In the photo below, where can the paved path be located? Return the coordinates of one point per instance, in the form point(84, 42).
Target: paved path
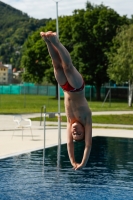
point(112, 112)
point(6, 121)
point(93, 113)
point(13, 146)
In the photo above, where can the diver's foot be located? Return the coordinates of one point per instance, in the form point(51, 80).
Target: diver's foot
point(52, 37)
point(44, 36)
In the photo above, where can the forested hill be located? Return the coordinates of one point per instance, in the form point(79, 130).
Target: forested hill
point(15, 26)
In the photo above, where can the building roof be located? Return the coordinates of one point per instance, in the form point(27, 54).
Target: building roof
point(3, 66)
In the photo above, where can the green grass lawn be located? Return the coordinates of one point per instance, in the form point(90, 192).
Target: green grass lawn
point(126, 119)
point(103, 119)
point(12, 104)
point(19, 104)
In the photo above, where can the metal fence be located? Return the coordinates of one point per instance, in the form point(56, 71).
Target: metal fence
point(28, 89)
point(50, 90)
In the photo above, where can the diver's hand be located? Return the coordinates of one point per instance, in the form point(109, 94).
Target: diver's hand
point(77, 166)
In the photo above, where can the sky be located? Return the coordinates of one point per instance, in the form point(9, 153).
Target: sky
point(40, 9)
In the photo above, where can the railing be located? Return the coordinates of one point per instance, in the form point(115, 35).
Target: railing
point(52, 115)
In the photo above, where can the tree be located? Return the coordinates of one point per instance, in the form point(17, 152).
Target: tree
point(87, 35)
point(15, 26)
point(121, 59)
point(36, 60)
point(93, 30)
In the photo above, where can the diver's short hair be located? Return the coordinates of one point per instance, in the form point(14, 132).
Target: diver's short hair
point(81, 140)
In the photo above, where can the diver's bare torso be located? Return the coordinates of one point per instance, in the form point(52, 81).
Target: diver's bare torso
point(76, 107)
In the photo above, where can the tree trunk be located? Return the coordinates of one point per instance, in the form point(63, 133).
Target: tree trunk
point(130, 94)
point(98, 92)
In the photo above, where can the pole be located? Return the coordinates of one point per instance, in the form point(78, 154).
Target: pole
point(109, 94)
point(57, 28)
point(24, 95)
point(59, 118)
point(106, 97)
point(44, 135)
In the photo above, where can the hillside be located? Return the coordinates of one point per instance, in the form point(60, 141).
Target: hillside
point(15, 26)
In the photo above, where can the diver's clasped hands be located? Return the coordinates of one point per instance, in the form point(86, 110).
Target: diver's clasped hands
point(77, 166)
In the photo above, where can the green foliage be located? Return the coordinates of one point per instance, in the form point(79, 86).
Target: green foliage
point(87, 35)
point(121, 56)
point(36, 60)
point(15, 27)
point(93, 31)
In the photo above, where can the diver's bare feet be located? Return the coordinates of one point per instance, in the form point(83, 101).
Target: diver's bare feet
point(52, 37)
point(44, 36)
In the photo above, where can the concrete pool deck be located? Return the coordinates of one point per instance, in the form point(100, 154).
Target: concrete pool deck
point(14, 146)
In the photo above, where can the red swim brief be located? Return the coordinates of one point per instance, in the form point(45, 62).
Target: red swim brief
point(67, 87)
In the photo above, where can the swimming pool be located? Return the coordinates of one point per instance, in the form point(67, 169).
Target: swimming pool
point(108, 174)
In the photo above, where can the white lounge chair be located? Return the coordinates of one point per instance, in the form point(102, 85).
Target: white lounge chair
point(22, 123)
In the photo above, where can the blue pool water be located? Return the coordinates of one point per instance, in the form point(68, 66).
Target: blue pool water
point(108, 174)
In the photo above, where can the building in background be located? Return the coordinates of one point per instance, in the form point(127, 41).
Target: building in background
point(5, 73)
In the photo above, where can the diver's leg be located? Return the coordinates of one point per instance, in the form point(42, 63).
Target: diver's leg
point(71, 73)
point(56, 61)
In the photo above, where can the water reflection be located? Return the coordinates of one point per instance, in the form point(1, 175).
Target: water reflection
point(108, 174)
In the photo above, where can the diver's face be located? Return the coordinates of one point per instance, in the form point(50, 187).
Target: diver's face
point(77, 131)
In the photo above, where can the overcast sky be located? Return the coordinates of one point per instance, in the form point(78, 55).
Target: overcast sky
point(47, 8)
